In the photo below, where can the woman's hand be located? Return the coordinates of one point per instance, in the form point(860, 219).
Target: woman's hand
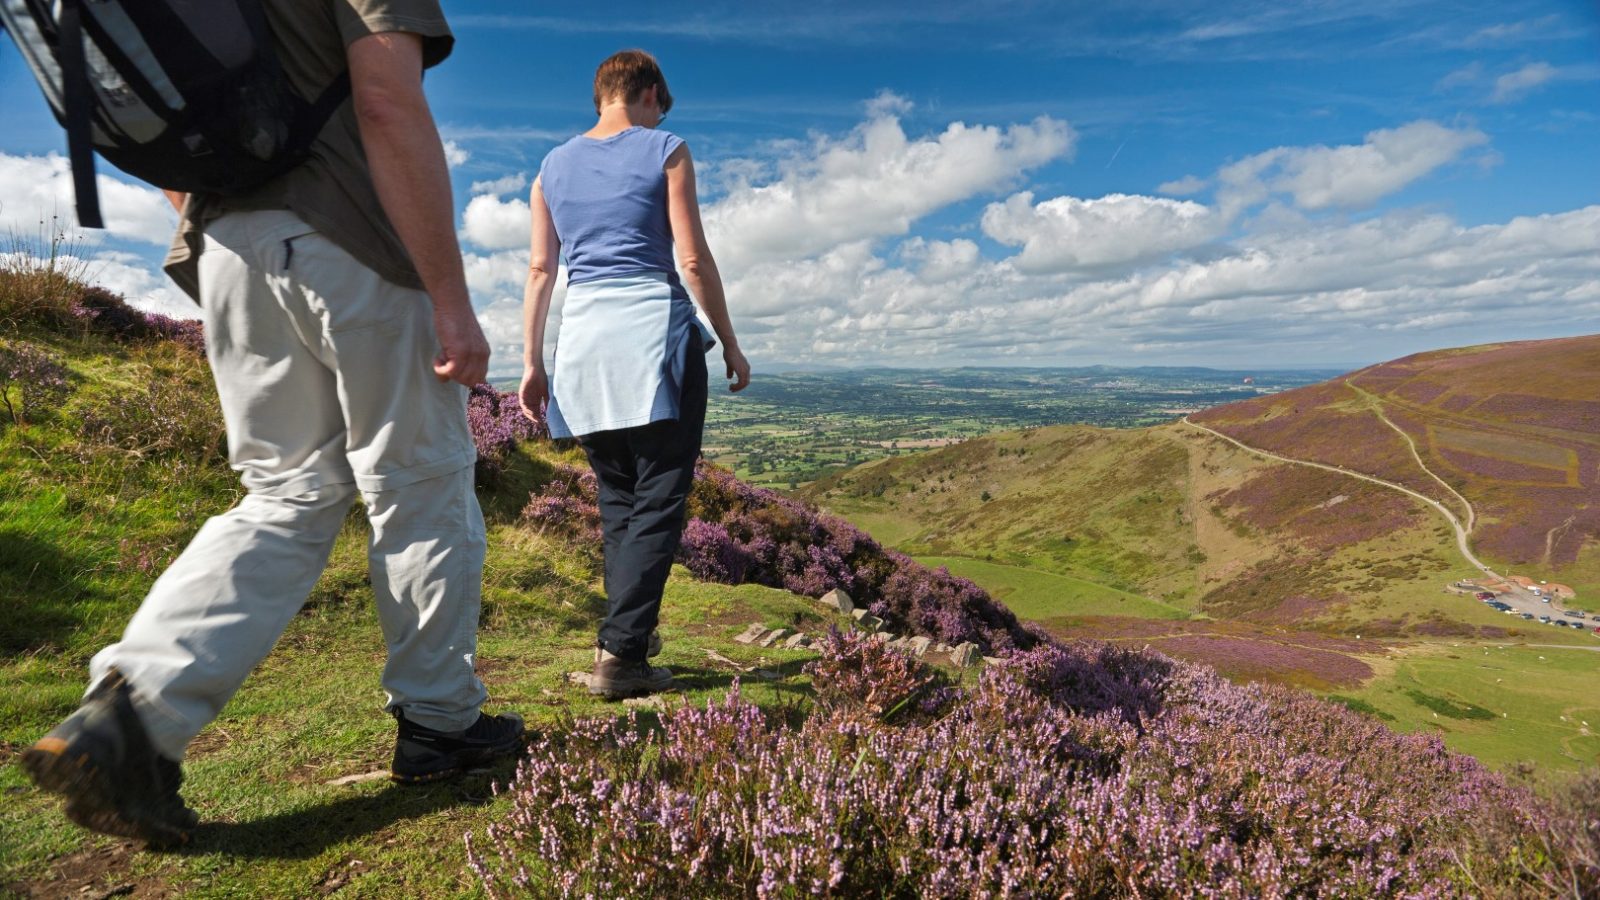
point(738, 367)
point(534, 392)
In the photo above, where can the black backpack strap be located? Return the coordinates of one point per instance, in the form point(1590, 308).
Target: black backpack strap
point(78, 99)
point(308, 124)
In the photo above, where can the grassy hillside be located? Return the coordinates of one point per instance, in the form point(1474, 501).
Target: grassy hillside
point(1513, 428)
point(1169, 538)
point(845, 768)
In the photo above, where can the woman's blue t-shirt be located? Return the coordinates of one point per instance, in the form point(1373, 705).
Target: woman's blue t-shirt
point(608, 198)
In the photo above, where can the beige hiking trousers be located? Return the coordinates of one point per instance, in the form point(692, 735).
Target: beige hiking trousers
point(325, 374)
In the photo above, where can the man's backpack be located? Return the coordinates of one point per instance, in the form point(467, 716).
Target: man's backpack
point(187, 95)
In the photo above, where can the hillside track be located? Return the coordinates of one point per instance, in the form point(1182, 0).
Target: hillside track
point(1455, 522)
point(1519, 598)
point(1376, 403)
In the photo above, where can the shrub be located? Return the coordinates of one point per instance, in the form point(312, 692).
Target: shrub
point(32, 381)
point(162, 420)
point(740, 533)
point(1033, 782)
point(498, 425)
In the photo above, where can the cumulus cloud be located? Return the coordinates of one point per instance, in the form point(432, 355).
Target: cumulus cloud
point(1329, 292)
point(1182, 187)
point(502, 185)
point(37, 189)
point(1347, 176)
point(455, 154)
point(1065, 234)
point(496, 224)
point(873, 183)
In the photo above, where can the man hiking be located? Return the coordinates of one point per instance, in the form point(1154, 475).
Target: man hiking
point(342, 338)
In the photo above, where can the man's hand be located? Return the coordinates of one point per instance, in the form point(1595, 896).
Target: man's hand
point(738, 368)
point(463, 350)
point(534, 393)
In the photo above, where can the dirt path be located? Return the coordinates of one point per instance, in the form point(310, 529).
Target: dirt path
point(1455, 522)
point(1377, 409)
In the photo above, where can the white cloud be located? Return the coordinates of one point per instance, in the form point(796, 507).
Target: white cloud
point(37, 189)
point(1182, 187)
point(502, 185)
point(143, 287)
point(1064, 234)
point(455, 154)
point(873, 183)
point(495, 224)
point(1513, 85)
point(1348, 176)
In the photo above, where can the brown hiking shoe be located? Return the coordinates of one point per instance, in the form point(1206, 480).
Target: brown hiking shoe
point(114, 781)
point(615, 677)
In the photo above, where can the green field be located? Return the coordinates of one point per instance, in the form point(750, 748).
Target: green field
point(788, 429)
point(1033, 594)
point(1500, 702)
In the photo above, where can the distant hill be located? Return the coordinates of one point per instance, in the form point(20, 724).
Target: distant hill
point(1514, 429)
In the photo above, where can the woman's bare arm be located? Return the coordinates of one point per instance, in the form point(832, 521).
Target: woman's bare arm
point(544, 255)
point(695, 262)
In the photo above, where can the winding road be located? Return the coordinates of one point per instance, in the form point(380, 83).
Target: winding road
point(1520, 599)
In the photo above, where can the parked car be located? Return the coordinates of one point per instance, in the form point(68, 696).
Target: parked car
point(1527, 615)
point(1563, 623)
point(1484, 595)
point(1545, 599)
point(1545, 619)
point(1576, 615)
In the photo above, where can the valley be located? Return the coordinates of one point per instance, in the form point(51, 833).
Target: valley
point(1310, 537)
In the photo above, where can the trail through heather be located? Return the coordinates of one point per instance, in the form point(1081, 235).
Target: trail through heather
point(1377, 409)
point(1455, 523)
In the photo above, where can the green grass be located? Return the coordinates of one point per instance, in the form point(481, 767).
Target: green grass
point(1542, 704)
point(312, 712)
point(86, 528)
point(1033, 594)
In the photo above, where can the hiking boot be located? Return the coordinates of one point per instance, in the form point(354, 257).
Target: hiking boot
point(114, 781)
point(615, 677)
point(653, 648)
point(422, 754)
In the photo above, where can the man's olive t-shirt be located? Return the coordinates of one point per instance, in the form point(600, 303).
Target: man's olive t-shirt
point(332, 190)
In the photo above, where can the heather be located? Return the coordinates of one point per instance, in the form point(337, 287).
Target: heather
point(1067, 770)
point(741, 534)
point(1086, 769)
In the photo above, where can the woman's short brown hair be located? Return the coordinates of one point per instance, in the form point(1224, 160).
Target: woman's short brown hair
point(626, 74)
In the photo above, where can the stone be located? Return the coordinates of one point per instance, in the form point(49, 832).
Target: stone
point(965, 655)
point(882, 637)
point(774, 636)
point(752, 634)
point(993, 660)
point(866, 621)
point(654, 701)
point(796, 641)
point(578, 678)
point(838, 601)
point(920, 644)
point(942, 647)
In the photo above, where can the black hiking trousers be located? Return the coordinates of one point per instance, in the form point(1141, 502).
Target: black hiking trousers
point(645, 474)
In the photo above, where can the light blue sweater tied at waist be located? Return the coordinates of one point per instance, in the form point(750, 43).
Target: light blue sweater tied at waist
point(620, 354)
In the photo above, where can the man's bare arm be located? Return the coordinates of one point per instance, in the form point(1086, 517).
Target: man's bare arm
point(413, 182)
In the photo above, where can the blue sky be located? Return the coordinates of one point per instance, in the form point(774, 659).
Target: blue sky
point(1239, 184)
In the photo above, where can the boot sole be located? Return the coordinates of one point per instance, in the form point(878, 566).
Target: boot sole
point(615, 692)
point(456, 764)
point(89, 793)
